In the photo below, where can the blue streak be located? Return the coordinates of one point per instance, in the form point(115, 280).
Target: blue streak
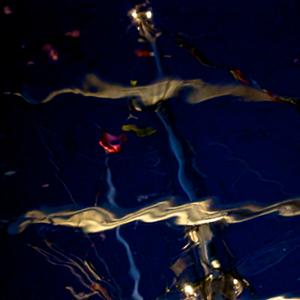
point(133, 271)
point(173, 141)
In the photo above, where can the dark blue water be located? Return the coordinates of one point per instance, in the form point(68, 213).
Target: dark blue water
point(233, 151)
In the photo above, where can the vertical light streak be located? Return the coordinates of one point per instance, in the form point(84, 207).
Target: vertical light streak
point(174, 143)
point(111, 193)
point(157, 60)
point(177, 150)
point(133, 270)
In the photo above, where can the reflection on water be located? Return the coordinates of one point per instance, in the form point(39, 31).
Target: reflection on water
point(270, 255)
point(157, 92)
point(283, 297)
point(214, 282)
point(198, 273)
point(82, 270)
point(97, 219)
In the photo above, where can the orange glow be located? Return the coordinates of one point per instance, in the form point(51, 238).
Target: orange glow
point(143, 53)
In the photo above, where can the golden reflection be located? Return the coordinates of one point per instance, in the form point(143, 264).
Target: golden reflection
point(97, 219)
point(154, 93)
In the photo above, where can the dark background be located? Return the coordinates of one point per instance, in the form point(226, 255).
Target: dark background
point(50, 157)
